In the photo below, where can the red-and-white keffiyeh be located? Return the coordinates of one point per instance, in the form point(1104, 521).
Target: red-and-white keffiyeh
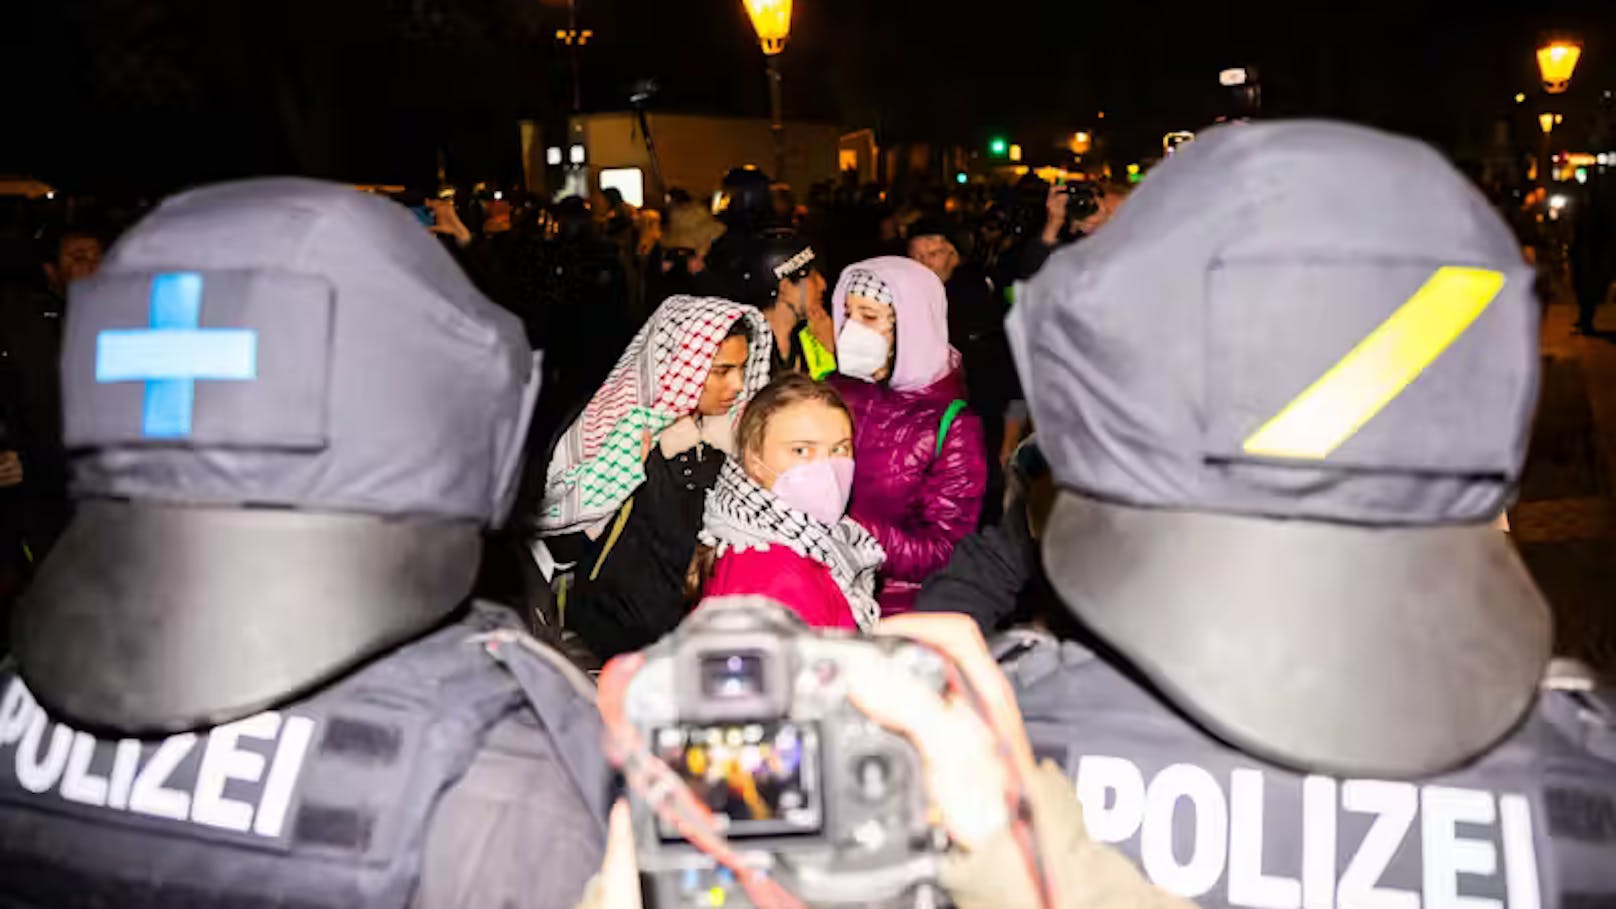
point(599, 462)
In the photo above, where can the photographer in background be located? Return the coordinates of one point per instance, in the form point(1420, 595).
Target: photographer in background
point(1071, 211)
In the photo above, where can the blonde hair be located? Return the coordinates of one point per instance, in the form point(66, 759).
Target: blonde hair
point(786, 390)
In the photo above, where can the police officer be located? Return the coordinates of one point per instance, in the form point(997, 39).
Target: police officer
point(248, 674)
point(745, 206)
point(780, 274)
point(1283, 394)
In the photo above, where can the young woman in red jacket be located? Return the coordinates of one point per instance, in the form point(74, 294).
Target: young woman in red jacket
point(776, 525)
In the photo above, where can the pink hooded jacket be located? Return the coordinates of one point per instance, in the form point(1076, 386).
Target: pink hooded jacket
point(916, 502)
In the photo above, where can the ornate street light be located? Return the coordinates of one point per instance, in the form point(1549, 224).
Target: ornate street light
point(1556, 61)
point(771, 19)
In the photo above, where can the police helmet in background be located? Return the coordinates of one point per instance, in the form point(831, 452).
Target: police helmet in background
point(774, 255)
point(293, 416)
point(1284, 393)
point(745, 198)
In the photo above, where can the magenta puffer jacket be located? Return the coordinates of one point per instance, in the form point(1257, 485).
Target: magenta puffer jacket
point(917, 503)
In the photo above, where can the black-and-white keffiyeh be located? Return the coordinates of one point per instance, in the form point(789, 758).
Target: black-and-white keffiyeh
point(742, 515)
point(862, 282)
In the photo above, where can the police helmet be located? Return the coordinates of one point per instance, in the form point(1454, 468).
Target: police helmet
point(775, 255)
point(745, 197)
point(293, 416)
point(1283, 423)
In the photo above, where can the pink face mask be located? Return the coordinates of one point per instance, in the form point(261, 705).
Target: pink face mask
point(819, 488)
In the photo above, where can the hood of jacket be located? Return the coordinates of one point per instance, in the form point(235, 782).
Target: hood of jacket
point(920, 305)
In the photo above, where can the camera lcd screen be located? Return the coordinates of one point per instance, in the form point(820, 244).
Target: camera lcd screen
point(730, 676)
point(759, 779)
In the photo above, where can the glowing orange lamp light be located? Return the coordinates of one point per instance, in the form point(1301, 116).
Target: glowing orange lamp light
point(1557, 60)
point(772, 21)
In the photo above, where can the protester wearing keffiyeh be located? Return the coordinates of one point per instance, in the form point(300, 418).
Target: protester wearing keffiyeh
point(742, 516)
point(600, 460)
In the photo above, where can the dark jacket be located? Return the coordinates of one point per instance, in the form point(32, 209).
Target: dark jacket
point(976, 311)
point(630, 587)
point(1532, 824)
point(30, 415)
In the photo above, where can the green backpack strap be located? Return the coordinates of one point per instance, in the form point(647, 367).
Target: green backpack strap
point(949, 415)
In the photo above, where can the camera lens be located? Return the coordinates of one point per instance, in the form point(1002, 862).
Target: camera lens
point(729, 676)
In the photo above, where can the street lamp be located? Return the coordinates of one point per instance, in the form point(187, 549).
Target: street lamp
point(1556, 61)
point(771, 19)
point(1546, 121)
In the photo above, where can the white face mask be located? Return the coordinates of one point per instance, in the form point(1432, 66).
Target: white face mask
point(861, 351)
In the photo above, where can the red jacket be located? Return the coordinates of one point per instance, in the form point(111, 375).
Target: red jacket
point(781, 574)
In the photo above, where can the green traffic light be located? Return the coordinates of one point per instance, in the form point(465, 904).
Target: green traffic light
point(961, 178)
point(999, 146)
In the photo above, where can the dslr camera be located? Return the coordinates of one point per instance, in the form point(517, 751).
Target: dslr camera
point(749, 709)
point(1082, 199)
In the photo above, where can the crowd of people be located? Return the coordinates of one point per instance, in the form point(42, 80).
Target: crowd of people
point(1214, 470)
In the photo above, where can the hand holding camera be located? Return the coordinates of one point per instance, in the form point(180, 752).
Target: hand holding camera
point(773, 766)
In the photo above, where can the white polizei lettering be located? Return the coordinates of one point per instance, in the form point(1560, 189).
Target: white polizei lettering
point(1318, 842)
point(34, 773)
point(223, 761)
point(1248, 886)
point(1520, 854)
point(1112, 793)
point(1208, 849)
point(125, 761)
point(1446, 855)
point(283, 770)
point(1394, 805)
point(15, 710)
point(78, 783)
point(149, 795)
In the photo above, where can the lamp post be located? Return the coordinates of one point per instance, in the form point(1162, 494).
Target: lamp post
point(1546, 121)
point(771, 19)
point(1556, 62)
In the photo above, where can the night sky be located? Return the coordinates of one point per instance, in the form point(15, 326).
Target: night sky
point(155, 94)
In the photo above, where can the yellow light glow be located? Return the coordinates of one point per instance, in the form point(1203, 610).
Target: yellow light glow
point(1081, 142)
point(1133, 169)
point(1520, 97)
point(772, 21)
point(1546, 121)
point(1015, 153)
point(1556, 61)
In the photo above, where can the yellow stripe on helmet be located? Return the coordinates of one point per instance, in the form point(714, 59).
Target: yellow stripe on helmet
point(1332, 409)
